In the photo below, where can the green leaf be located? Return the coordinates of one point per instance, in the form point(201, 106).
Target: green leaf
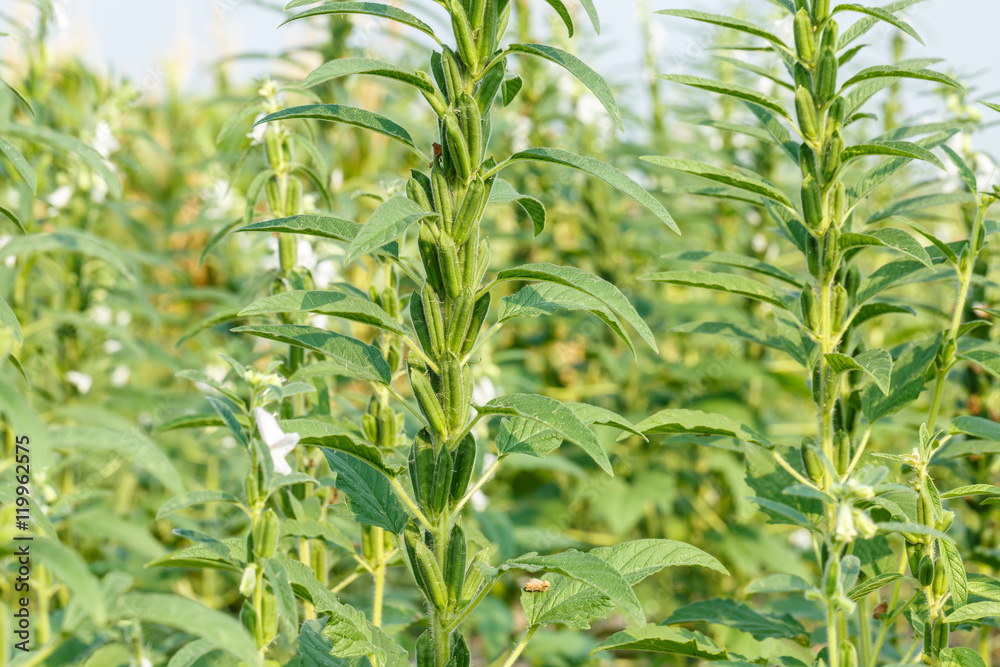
point(20, 164)
point(587, 76)
point(868, 22)
point(63, 142)
point(504, 193)
point(9, 320)
point(663, 639)
point(365, 362)
point(586, 568)
point(875, 363)
point(880, 14)
point(881, 172)
point(737, 260)
point(593, 414)
point(587, 283)
point(984, 586)
point(965, 172)
point(348, 445)
point(339, 113)
point(886, 276)
point(972, 490)
point(333, 303)
point(872, 585)
point(510, 87)
point(191, 617)
point(905, 149)
point(595, 20)
point(576, 604)
point(960, 656)
point(731, 178)
point(192, 653)
point(783, 338)
point(921, 203)
point(68, 241)
point(72, 570)
point(721, 282)
point(369, 8)
point(563, 12)
point(555, 416)
point(896, 239)
point(369, 492)
point(727, 22)
point(977, 427)
point(732, 90)
point(951, 560)
point(974, 612)
point(228, 412)
point(10, 215)
point(909, 374)
point(877, 309)
point(985, 359)
point(192, 498)
point(779, 583)
point(389, 222)
point(605, 172)
point(738, 616)
point(699, 423)
point(884, 71)
point(546, 298)
point(347, 66)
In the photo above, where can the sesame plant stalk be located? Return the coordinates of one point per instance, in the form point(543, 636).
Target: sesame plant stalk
point(435, 241)
point(828, 486)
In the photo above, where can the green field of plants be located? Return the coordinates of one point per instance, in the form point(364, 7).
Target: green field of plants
point(406, 354)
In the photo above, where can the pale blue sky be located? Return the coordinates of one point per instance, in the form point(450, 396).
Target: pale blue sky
point(138, 38)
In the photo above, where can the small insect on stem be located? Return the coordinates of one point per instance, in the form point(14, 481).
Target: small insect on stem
point(537, 586)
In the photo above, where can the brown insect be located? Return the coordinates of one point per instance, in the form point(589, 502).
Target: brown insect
point(537, 586)
point(880, 610)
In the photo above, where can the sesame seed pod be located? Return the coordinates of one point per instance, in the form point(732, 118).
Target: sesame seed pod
point(455, 564)
point(419, 320)
point(441, 488)
point(831, 248)
point(453, 82)
point(463, 460)
point(838, 203)
point(839, 306)
point(474, 576)
point(461, 317)
point(479, 312)
point(832, 159)
point(925, 509)
point(813, 256)
point(269, 616)
point(387, 429)
point(470, 212)
point(458, 147)
point(807, 161)
point(477, 12)
point(830, 34)
point(450, 269)
point(427, 246)
point(411, 538)
point(463, 35)
point(472, 126)
point(831, 577)
point(434, 320)
point(444, 205)
point(942, 630)
point(467, 262)
point(273, 193)
point(426, 398)
point(265, 541)
point(940, 584)
point(813, 464)
point(826, 76)
point(293, 199)
point(252, 489)
point(925, 575)
point(812, 204)
point(805, 109)
point(821, 9)
point(318, 561)
point(842, 449)
point(367, 543)
point(929, 636)
point(805, 41)
point(810, 308)
point(836, 115)
point(802, 76)
point(848, 654)
point(248, 617)
point(370, 426)
point(456, 409)
point(425, 649)
point(272, 146)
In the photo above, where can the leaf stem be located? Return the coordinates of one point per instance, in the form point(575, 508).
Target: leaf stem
point(478, 485)
point(401, 492)
point(528, 634)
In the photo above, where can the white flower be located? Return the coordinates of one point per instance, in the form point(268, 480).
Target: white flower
point(60, 197)
point(845, 530)
point(280, 443)
point(104, 140)
point(98, 191)
point(81, 381)
point(801, 539)
point(219, 199)
point(111, 346)
point(256, 135)
point(10, 261)
point(123, 318)
point(120, 376)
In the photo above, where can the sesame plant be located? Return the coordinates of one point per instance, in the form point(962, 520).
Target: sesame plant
point(889, 583)
point(408, 489)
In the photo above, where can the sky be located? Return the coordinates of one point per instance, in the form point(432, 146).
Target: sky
point(138, 40)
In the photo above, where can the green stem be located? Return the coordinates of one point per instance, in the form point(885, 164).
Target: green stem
point(380, 568)
point(528, 634)
point(865, 630)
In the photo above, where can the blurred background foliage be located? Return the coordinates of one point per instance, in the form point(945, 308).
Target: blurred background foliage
point(117, 294)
